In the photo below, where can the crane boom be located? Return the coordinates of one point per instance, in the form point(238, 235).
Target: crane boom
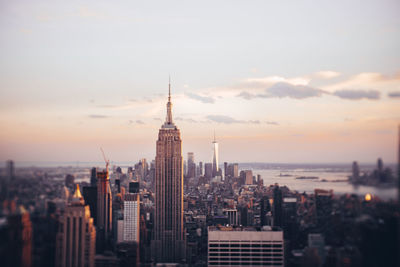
point(107, 161)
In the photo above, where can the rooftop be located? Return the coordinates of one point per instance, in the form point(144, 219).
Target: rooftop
point(244, 228)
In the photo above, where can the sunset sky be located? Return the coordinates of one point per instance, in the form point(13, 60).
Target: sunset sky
point(278, 81)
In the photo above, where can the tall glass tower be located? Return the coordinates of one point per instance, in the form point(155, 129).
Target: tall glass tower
point(215, 170)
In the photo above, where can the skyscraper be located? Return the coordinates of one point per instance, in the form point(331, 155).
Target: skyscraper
point(168, 243)
point(398, 169)
point(356, 172)
point(225, 169)
point(10, 169)
point(215, 169)
point(93, 177)
point(15, 236)
point(233, 170)
point(265, 207)
point(248, 177)
point(131, 217)
point(200, 168)
point(104, 207)
point(191, 165)
point(75, 244)
point(278, 212)
point(208, 170)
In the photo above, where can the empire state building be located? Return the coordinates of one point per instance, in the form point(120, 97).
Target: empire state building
point(169, 243)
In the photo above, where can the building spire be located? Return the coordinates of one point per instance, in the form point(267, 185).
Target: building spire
point(168, 120)
point(77, 198)
point(169, 89)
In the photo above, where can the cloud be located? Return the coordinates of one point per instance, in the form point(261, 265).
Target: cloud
point(137, 122)
point(270, 80)
point(203, 99)
point(229, 120)
point(357, 94)
point(97, 116)
point(246, 95)
point(157, 119)
point(145, 102)
point(326, 74)
point(394, 94)
point(284, 89)
point(186, 120)
point(364, 81)
point(272, 122)
point(223, 119)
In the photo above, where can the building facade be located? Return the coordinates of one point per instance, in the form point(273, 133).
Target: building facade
point(191, 166)
point(75, 244)
point(168, 244)
point(104, 206)
point(232, 215)
point(208, 170)
point(131, 217)
point(245, 246)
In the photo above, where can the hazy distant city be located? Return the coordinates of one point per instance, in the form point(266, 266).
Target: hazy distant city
point(175, 212)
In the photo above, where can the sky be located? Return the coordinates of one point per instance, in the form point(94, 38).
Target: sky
point(278, 81)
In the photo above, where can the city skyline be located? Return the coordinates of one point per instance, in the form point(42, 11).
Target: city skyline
point(267, 72)
point(279, 144)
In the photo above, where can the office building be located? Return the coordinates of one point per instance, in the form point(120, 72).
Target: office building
point(191, 165)
point(208, 172)
point(93, 177)
point(232, 215)
point(104, 207)
point(245, 246)
point(134, 187)
point(233, 170)
point(141, 169)
point(10, 169)
point(398, 170)
point(90, 197)
point(131, 217)
point(278, 209)
point(317, 242)
point(169, 244)
point(247, 177)
point(75, 244)
point(265, 207)
point(323, 204)
point(200, 168)
point(70, 181)
point(117, 215)
point(356, 172)
point(16, 235)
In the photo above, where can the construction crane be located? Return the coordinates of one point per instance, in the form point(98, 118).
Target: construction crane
point(107, 161)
